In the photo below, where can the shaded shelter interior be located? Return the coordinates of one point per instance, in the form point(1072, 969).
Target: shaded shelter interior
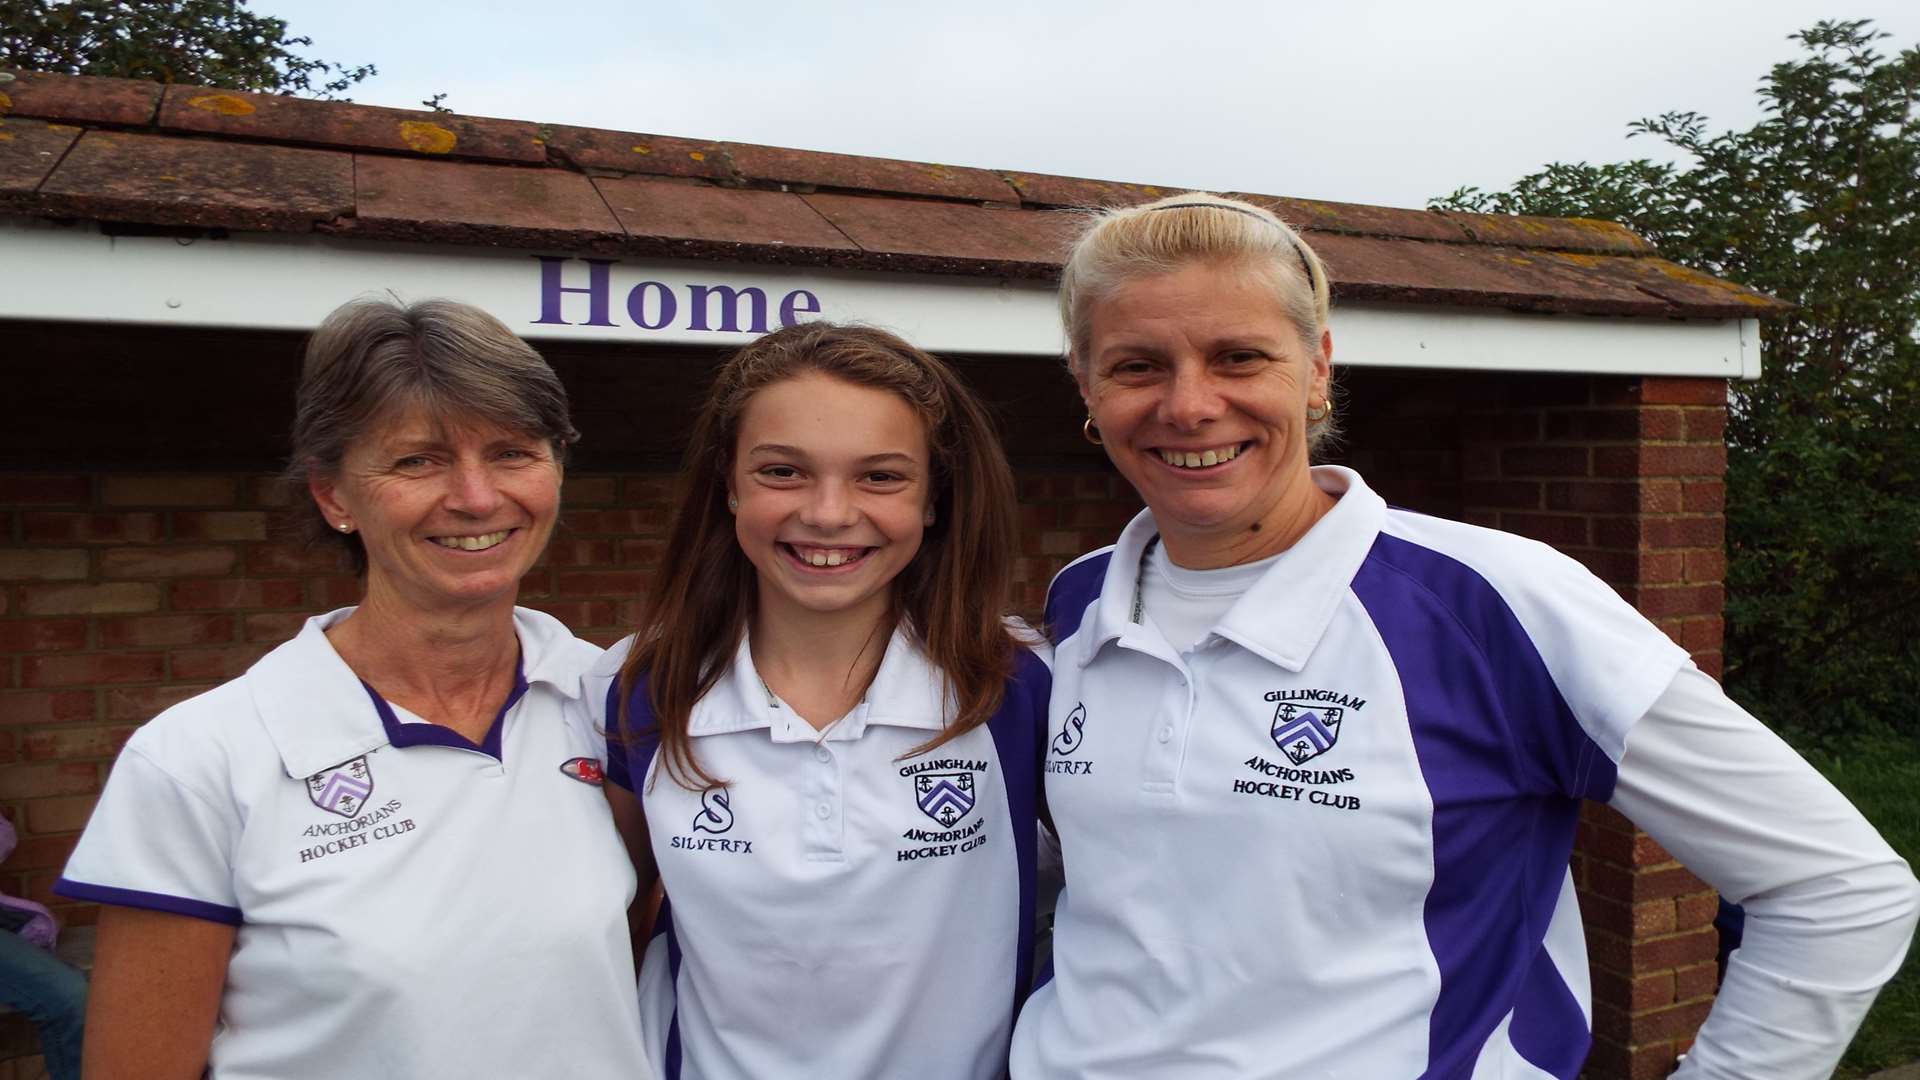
point(159, 398)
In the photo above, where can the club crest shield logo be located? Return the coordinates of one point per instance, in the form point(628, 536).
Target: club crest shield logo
point(343, 789)
point(1304, 732)
point(586, 770)
point(945, 797)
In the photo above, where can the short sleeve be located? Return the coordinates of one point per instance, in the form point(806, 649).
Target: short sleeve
point(1607, 662)
point(155, 843)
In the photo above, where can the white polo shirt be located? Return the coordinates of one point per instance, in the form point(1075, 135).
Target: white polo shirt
point(1331, 840)
point(839, 909)
point(407, 904)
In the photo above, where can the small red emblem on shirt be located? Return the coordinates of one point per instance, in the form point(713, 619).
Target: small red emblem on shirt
point(585, 769)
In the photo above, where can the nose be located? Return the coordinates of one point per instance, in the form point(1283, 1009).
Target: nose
point(829, 506)
point(472, 489)
point(1191, 398)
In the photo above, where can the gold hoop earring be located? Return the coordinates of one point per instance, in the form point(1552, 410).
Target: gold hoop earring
point(1317, 413)
point(1091, 433)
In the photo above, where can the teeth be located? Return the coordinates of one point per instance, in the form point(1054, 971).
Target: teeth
point(472, 543)
point(1186, 459)
point(827, 558)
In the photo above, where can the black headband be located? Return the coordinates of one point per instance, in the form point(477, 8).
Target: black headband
point(1299, 249)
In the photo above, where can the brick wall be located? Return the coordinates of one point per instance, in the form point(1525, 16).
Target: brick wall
point(121, 593)
point(1628, 477)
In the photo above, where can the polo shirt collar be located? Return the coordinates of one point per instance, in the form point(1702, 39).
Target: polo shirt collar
point(319, 713)
point(907, 692)
point(1285, 614)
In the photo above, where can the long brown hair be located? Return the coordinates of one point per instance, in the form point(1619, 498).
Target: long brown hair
point(950, 598)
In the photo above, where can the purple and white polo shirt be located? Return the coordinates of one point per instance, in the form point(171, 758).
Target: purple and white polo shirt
point(844, 906)
point(1331, 840)
point(405, 902)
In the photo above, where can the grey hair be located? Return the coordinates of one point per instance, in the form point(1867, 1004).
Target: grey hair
point(1122, 244)
point(373, 359)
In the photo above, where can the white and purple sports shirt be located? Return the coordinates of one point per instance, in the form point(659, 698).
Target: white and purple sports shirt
point(1332, 839)
point(843, 907)
point(406, 903)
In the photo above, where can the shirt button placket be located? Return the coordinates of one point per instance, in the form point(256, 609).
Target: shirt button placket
point(820, 803)
point(1166, 733)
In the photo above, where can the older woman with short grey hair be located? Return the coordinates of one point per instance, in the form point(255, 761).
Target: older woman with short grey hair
point(383, 850)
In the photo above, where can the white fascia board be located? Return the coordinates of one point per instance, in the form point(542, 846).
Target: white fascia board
point(279, 282)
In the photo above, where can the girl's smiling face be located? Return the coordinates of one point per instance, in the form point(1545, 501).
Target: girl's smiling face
point(832, 483)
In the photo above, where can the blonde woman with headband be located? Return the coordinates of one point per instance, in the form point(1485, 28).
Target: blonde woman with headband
point(1316, 763)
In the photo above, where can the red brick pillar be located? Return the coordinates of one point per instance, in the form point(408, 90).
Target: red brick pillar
point(1626, 475)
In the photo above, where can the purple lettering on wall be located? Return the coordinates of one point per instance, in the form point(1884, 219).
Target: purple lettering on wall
point(637, 306)
point(729, 307)
point(655, 305)
point(551, 291)
point(791, 308)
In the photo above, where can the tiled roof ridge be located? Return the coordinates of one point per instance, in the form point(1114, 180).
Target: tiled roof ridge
point(177, 155)
point(144, 106)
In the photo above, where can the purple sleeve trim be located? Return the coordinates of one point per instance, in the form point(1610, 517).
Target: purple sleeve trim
point(149, 901)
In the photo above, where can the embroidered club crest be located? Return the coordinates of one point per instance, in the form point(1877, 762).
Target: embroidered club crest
point(944, 797)
point(342, 789)
point(1304, 732)
point(586, 770)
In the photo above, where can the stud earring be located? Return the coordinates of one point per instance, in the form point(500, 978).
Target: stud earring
point(346, 527)
point(733, 504)
point(927, 521)
point(1091, 433)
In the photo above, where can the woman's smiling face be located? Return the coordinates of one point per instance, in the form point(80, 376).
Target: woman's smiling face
point(1199, 384)
point(832, 484)
point(451, 513)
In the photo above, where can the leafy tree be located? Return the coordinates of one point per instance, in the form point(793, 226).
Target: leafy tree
point(204, 42)
point(1819, 204)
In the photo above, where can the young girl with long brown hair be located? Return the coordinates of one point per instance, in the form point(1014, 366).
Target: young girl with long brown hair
point(824, 739)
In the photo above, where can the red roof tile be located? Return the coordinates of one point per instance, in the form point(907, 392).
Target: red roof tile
point(777, 164)
point(29, 149)
point(466, 203)
point(911, 234)
point(595, 149)
point(425, 176)
point(281, 119)
point(157, 179)
point(712, 222)
point(81, 99)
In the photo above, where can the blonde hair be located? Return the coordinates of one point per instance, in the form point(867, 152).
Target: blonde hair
point(1122, 244)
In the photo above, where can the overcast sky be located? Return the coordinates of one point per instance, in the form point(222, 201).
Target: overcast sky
point(1376, 101)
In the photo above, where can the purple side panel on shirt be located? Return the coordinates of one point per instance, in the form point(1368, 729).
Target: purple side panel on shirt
point(1505, 763)
point(663, 924)
point(1018, 729)
point(630, 746)
point(1072, 592)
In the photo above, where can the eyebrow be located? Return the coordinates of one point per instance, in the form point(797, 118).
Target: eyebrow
point(883, 458)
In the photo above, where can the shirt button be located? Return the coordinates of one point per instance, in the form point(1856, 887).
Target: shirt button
point(1164, 734)
point(822, 811)
point(820, 754)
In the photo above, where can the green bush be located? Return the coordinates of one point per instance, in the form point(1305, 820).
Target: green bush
point(1818, 204)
